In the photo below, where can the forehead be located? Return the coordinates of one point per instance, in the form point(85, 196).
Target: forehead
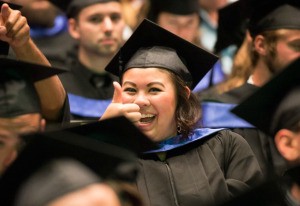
point(178, 17)
point(289, 34)
point(146, 74)
point(102, 8)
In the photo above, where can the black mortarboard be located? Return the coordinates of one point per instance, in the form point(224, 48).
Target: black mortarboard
point(179, 7)
point(17, 93)
point(53, 180)
point(232, 25)
point(276, 105)
point(274, 14)
point(73, 7)
point(100, 146)
point(4, 46)
point(152, 46)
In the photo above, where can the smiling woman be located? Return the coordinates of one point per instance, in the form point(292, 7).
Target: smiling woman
point(192, 166)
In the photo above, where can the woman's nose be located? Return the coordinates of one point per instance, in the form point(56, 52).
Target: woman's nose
point(142, 100)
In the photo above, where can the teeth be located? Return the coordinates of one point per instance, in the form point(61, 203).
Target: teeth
point(147, 115)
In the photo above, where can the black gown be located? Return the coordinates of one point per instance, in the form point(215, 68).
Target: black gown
point(93, 90)
point(208, 171)
point(261, 144)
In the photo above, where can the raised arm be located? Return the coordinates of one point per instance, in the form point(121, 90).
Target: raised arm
point(15, 30)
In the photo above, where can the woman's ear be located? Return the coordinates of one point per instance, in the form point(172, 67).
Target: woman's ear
point(188, 91)
point(287, 143)
point(73, 31)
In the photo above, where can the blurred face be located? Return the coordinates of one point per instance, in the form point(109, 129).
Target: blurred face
point(185, 26)
point(10, 129)
point(287, 50)
point(99, 28)
point(94, 195)
point(155, 94)
point(38, 12)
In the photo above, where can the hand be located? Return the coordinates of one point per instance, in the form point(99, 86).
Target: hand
point(117, 108)
point(13, 27)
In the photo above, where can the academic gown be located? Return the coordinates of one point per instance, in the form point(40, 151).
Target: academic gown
point(275, 191)
point(207, 171)
point(261, 144)
point(89, 93)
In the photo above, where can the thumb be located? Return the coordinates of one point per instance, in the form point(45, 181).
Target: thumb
point(117, 97)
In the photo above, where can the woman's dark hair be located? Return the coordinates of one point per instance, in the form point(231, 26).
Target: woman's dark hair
point(188, 110)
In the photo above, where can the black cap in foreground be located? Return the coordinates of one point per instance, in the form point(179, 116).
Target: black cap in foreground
point(54, 180)
point(152, 46)
point(276, 105)
point(87, 144)
point(17, 93)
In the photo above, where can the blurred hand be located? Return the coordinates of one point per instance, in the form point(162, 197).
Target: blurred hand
point(117, 108)
point(13, 27)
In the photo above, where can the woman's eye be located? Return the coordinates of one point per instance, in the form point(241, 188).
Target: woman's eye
point(131, 90)
point(154, 90)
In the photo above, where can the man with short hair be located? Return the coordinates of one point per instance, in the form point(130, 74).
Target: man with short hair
point(97, 26)
point(275, 36)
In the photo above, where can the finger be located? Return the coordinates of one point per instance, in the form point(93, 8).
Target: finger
point(5, 12)
point(133, 116)
point(19, 29)
point(130, 107)
point(9, 16)
point(3, 31)
point(117, 97)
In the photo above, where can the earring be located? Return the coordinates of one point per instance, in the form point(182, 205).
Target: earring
point(178, 129)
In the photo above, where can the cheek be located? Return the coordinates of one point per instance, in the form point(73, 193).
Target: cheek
point(166, 104)
point(127, 98)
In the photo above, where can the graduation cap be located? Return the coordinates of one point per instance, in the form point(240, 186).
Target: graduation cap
point(276, 104)
point(274, 14)
point(153, 46)
point(54, 180)
point(179, 7)
point(17, 93)
point(232, 25)
point(93, 147)
point(4, 46)
point(73, 7)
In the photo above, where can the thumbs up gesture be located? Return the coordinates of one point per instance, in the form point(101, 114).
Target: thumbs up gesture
point(117, 108)
point(13, 27)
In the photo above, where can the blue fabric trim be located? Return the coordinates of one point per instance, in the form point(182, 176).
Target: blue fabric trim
point(218, 76)
point(87, 107)
point(178, 141)
point(218, 115)
point(60, 25)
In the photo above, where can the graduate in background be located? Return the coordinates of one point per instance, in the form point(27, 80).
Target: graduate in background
point(274, 109)
point(275, 34)
point(97, 27)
